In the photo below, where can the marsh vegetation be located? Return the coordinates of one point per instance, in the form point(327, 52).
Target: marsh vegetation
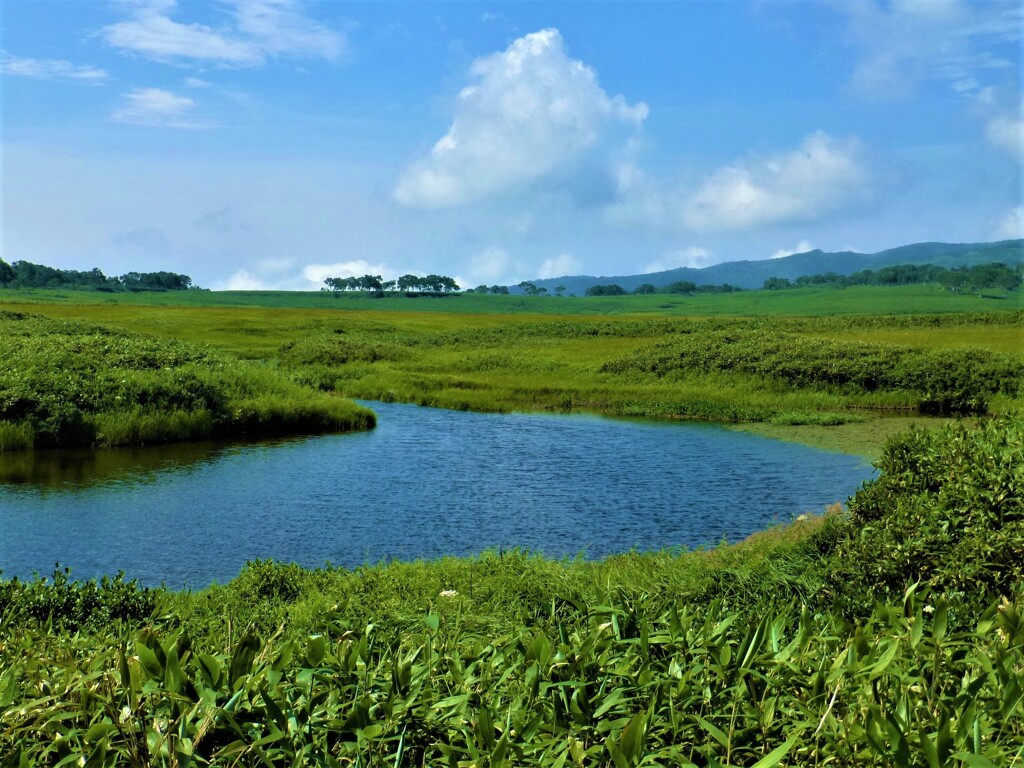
point(889, 633)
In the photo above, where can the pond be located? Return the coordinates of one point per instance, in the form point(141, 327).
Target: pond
point(425, 483)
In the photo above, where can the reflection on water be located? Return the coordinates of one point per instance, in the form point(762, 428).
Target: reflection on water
point(85, 468)
point(423, 484)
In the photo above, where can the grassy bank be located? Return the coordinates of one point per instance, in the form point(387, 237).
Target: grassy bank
point(888, 635)
point(65, 384)
point(814, 372)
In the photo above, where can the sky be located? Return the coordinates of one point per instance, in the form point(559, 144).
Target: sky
point(273, 143)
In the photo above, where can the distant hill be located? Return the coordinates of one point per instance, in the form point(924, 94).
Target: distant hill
point(752, 274)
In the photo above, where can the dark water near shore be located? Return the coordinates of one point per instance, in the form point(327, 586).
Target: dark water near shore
point(425, 483)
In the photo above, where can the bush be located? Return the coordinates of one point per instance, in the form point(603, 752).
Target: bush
point(947, 511)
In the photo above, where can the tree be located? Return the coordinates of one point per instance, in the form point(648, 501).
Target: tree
point(501, 289)
point(681, 286)
point(606, 290)
point(559, 290)
point(6, 273)
point(529, 288)
point(777, 284)
point(645, 289)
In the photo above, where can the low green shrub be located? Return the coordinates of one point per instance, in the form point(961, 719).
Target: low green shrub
point(66, 384)
point(946, 511)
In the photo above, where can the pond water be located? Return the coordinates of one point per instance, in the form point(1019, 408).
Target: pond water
point(423, 484)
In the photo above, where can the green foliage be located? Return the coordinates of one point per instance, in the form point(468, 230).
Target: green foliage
point(65, 605)
point(25, 274)
point(605, 290)
point(968, 278)
point(947, 511)
point(65, 384)
point(941, 381)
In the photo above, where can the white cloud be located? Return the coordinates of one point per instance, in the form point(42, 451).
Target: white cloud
point(315, 274)
point(821, 176)
point(50, 69)
point(242, 280)
point(694, 257)
point(262, 29)
point(563, 265)
point(196, 82)
point(489, 265)
point(530, 113)
point(1011, 226)
point(906, 41)
point(1007, 133)
point(156, 107)
point(802, 247)
point(280, 28)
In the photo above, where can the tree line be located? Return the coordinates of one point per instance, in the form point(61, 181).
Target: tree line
point(405, 283)
point(994, 275)
point(680, 286)
point(25, 274)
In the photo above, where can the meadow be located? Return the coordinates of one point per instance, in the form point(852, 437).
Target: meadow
point(889, 633)
point(512, 353)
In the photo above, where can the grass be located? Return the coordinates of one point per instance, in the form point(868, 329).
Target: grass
point(819, 301)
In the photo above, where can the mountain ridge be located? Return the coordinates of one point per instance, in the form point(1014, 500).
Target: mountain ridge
point(752, 273)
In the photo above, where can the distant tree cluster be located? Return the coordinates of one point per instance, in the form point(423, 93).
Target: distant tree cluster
point(25, 274)
point(685, 286)
point(531, 289)
point(967, 279)
point(496, 289)
point(605, 290)
point(405, 284)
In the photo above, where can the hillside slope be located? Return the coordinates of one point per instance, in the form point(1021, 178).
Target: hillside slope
point(752, 274)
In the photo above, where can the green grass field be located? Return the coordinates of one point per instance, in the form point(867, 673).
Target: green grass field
point(818, 302)
point(497, 353)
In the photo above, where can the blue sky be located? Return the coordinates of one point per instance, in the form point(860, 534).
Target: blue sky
point(272, 143)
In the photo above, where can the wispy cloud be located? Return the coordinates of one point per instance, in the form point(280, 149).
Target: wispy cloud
point(802, 247)
point(51, 69)
point(694, 257)
point(1006, 132)
point(903, 42)
point(530, 114)
point(561, 265)
point(260, 29)
point(157, 108)
point(1011, 226)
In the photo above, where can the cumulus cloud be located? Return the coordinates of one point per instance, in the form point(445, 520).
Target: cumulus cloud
point(50, 69)
point(261, 29)
point(822, 176)
point(694, 257)
point(156, 107)
point(530, 113)
point(1011, 226)
point(802, 247)
point(559, 266)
